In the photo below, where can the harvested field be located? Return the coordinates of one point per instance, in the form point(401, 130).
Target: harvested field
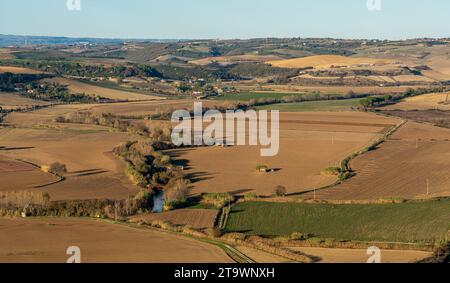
point(326, 61)
point(439, 63)
point(423, 102)
point(18, 70)
point(413, 163)
point(79, 87)
point(43, 117)
point(148, 108)
point(196, 218)
point(12, 174)
point(9, 101)
point(360, 255)
point(6, 53)
point(438, 118)
point(412, 78)
point(309, 143)
point(8, 165)
point(93, 171)
point(226, 60)
point(329, 89)
point(260, 256)
point(47, 239)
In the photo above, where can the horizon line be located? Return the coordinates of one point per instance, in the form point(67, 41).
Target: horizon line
point(223, 39)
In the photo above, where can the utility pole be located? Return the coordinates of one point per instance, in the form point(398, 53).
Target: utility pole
point(428, 187)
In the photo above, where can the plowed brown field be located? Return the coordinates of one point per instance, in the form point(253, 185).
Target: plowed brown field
point(196, 218)
point(16, 175)
point(412, 164)
point(47, 239)
point(309, 143)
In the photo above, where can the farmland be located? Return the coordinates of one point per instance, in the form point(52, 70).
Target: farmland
point(309, 143)
point(93, 172)
point(246, 96)
point(18, 70)
point(88, 89)
point(404, 222)
point(434, 101)
point(234, 59)
point(411, 164)
point(314, 106)
point(196, 218)
point(47, 239)
point(328, 255)
point(12, 172)
point(10, 101)
point(346, 173)
point(325, 61)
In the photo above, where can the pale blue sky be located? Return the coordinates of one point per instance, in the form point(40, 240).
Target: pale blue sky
point(398, 19)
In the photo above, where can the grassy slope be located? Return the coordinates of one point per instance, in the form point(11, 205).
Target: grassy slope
point(407, 222)
point(326, 105)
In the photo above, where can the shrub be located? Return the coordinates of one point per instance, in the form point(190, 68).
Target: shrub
point(177, 192)
point(214, 232)
point(135, 176)
point(193, 232)
point(331, 171)
point(57, 168)
point(260, 168)
point(297, 236)
point(235, 236)
point(314, 241)
point(250, 196)
point(217, 200)
point(280, 191)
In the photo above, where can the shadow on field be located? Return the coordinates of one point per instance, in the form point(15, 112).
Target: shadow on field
point(85, 171)
point(176, 156)
point(16, 148)
point(190, 203)
point(240, 192)
point(199, 176)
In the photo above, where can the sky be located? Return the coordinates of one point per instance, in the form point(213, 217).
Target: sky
point(227, 19)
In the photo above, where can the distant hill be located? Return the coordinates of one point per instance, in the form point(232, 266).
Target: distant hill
point(21, 40)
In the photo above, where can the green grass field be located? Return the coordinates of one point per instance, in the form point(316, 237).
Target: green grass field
point(414, 222)
point(246, 96)
point(324, 105)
